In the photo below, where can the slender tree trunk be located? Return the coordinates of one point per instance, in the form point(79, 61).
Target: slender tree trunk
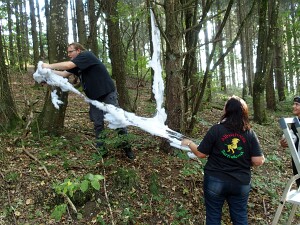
point(19, 36)
point(240, 15)
point(35, 40)
point(290, 78)
point(220, 52)
point(278, 62)
point(80, 14)
point(11, 53)
point(41, 45)
point(231, 60)
point(74, 19)
point(294, 15)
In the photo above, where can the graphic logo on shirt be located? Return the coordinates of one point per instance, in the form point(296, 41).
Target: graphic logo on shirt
point(233, 150)
point(233, 146)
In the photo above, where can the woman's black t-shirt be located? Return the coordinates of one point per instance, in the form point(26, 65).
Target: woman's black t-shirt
point(229, 153)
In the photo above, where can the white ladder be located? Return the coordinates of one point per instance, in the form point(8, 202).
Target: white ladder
point(289, 195)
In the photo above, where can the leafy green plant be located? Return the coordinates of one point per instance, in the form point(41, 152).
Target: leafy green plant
point(126, 178)
point(70, 187)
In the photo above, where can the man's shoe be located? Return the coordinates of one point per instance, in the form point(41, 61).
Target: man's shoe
point(129, 153)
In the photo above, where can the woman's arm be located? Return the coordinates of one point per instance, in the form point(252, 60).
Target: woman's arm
point(193, 147)
point(257, 160)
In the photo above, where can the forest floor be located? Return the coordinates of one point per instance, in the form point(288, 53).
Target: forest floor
point(155, 188)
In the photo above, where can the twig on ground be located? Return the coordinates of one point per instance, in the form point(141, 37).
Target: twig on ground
point(70, 203)
point(265, 209)
point(35, 159)
point(105, 190)
point(69, 214)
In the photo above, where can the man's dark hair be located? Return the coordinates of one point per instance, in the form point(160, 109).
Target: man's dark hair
point(77, 46)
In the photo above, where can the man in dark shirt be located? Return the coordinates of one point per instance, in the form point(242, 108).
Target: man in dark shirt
point(283, 142)
point(97, 85)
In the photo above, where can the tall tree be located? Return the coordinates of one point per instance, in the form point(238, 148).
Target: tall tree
point(80, 14)
point(240, 15)
point(74, 18)
point(295, 34)
point(209, 69)
point(190, 69)
point(19, 36)
point(8, 117)
point(220, 52)
point(273, 18)
point(12, 57)
point(51, 119)
point(278, 62)
point(174, 85)
point(92, 40)
point(260, 74)
point(34, 34)
point(116, 51)
point(41, 37)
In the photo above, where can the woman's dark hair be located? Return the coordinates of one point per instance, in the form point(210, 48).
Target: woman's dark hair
point(236, 114)
point(77, 46)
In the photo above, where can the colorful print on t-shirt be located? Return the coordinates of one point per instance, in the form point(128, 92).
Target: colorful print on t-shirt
point(233, 145)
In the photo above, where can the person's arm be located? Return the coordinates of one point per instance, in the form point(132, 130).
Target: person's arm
point(283, 143)
point(193, 147)
point(257, 160)
point(60, 66)
point(65, 74)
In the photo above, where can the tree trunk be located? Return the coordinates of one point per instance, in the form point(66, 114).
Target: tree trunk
point(51, 119)
point(35, 40)
point(278, 62)
point(92, 40)
point(270, 91)
point(116, 52)
point(74, 19)
point(294, 15)
point(41, 45)
point(220, 53)
point(174, 87)
point(290, 77)
point(273, 17)
point(8, 116)
point(11, 57)
point(260, 76)
point(81, 22)
point(240, 15)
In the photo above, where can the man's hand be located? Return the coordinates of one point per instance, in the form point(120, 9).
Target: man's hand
point(283, 143)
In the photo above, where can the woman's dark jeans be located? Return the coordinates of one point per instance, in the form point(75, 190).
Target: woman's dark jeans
point(216, 191)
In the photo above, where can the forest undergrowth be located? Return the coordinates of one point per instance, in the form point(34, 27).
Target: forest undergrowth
point(63, 180)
